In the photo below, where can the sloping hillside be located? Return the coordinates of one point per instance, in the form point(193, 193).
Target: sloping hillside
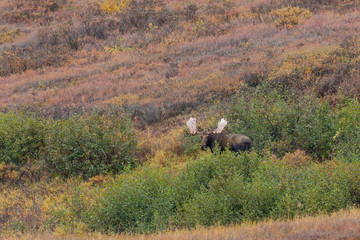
point(94, 96)
point(158, 58)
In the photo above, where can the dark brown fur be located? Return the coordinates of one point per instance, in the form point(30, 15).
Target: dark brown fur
point(225, 139)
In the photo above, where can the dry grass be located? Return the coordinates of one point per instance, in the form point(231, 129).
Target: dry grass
point(341, 225)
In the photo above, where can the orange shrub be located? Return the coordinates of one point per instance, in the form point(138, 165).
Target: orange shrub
point(297, 159)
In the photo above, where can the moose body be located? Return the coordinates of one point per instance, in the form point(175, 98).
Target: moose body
point(225, 139)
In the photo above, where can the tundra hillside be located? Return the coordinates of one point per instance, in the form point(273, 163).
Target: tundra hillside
point(95, 95)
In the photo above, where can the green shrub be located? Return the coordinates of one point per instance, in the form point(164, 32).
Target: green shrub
point(276, 190)
point(273, 189)
point(252, 200)
point(200, 173)
point(205, 208)
point(141, 201)
point(22, 137)
point(310, 190)
point(190, 143)
point(90, 144)
point(151, 199)
point(347, 137)
point(217, 189)
point(81, 145)
point(284, 122)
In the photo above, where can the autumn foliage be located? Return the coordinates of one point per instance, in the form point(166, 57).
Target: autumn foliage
point(94, 96)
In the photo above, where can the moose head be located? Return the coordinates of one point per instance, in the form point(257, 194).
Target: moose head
point(235, 142)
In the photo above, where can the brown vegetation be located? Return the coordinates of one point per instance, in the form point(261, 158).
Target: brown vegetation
point(171, 57)
point(340, 225)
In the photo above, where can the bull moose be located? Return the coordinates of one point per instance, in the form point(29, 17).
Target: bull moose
point(235, 142)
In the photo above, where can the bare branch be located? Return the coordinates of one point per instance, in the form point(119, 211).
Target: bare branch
point(191, 124)
point(221, 125)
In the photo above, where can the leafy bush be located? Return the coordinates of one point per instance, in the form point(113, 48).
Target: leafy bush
point(284, 122)
point(81, 145)
point(90, 144)
point(22, 138)
point(218, 189)
point(190, 143)
point(297, 159)
point(150, 198)
point(8, 35)
point(310, 190)
point(113, 6)
point(291, 16)
point(142, 201)
point(275, 190)
point(347, 137)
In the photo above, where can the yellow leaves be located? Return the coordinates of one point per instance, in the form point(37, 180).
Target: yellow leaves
point(60, 231)
point(117, 47)
point(8, 173)
point(199, 26)
point(291, 16)
point(8, 35)
point(213, 76)
point(123, 99)
point(113, 48)
point(113, 6)
point(151, 27)
point(337, 134)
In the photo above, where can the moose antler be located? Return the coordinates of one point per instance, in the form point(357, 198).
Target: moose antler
point(221, 125)
point(191, 124)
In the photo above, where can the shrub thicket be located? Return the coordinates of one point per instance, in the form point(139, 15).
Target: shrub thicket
point(347, 137)
point(217, 189)
point(284, 122)
point(90, 144)
point(113, 6)
point(21, 138)
point(151, 199)
point(220, 188)
point(291, 16)
point(190, 143)
point(81, 145)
